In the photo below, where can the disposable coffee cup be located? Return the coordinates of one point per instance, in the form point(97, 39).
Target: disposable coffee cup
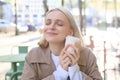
point(71, 40)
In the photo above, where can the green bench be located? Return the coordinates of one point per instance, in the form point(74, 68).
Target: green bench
point(21, 50)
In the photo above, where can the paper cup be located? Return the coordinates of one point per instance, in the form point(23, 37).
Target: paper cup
point(71, 40)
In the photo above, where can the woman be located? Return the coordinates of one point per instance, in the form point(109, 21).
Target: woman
point(52, 61)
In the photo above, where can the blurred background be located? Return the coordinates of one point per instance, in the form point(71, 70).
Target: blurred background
point(21, 23)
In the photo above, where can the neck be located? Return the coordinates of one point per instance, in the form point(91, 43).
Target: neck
point(56, 48)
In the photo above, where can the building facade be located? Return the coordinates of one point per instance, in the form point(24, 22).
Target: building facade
point(30, 10)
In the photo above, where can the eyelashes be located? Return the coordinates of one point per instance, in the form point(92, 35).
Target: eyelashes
point(56, 23)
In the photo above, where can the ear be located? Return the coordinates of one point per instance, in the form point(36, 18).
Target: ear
point(71, 33)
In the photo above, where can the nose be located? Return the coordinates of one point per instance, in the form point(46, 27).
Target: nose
point(52, 26)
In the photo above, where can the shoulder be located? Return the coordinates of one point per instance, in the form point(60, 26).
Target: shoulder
point(86, 55)
point(37, 54)
point(87, 52)
point(38, 51)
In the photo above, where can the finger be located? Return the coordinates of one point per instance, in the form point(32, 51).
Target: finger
point(65, 63)
point(67, 59)
point(71, 54)
point(62, 57)
point(74, 55)
point(71, 57)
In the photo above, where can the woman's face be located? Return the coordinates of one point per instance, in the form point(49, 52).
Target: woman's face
point(56, 27)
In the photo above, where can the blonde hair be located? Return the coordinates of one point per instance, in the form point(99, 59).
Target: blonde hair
point(76, 32)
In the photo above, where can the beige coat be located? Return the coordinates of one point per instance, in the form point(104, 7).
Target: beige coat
point(39, 65)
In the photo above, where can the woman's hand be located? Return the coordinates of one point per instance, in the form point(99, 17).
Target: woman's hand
point(74, 55)
point(65, 61)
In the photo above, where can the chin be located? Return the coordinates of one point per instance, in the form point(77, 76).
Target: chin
point(51, 40)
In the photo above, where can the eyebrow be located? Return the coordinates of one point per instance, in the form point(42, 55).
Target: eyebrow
point(55, 19)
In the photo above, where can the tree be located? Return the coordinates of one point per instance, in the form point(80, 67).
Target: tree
point(1, 9)
point(45, 6)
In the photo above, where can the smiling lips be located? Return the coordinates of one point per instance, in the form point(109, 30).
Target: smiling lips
point(51, 33)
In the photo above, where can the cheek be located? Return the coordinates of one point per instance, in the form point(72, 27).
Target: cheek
point(44, 29)
point(66, 32)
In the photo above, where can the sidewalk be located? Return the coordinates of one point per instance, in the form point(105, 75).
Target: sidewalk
point(6, 43)
point(6, 40)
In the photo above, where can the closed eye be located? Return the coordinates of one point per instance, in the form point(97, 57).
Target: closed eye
point(59, 23)
point(48, 22)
